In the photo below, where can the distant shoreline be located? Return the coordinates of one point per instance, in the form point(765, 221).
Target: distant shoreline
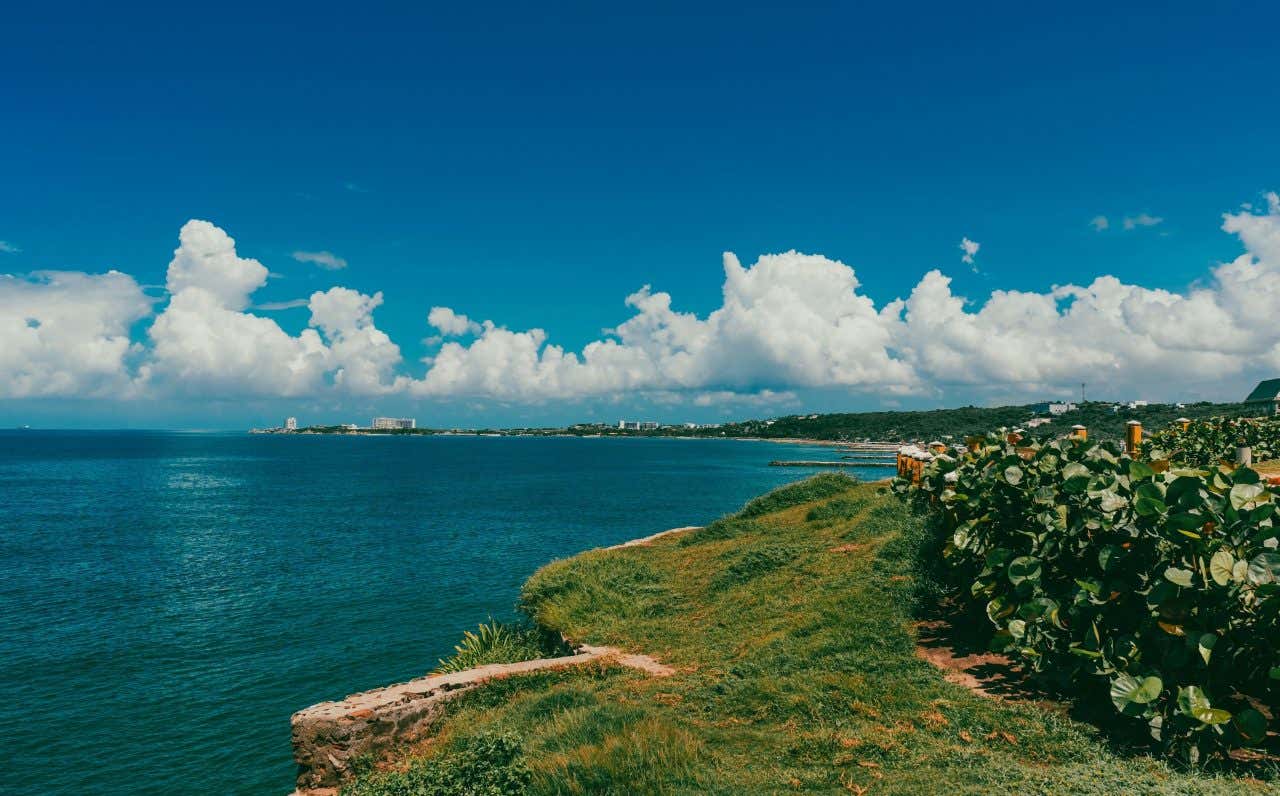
point(827, 443)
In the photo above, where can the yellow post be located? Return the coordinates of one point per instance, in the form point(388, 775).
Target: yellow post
point(1133, 437)
point(918, 471)
point(1183, 423)
point(899, 462)
point(1079, 432)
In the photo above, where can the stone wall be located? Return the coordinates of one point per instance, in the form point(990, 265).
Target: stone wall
point(327, 736)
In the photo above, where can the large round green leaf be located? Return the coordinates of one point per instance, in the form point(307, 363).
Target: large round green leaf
point(1264, 568)
point(1180, 577)
point(1248, 496)
point(1128, 691)
point(1220, 567)
point(1024, 568)
point(1193, 702)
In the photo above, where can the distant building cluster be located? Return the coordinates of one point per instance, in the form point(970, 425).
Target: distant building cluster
point(291, 424)
point(638, 425)
point(393, 423)
point(1054, 408)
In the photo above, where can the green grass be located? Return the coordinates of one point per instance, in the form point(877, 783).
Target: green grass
point(502, 642)
point(797, 673)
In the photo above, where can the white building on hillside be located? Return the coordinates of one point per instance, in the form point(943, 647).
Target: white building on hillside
point(291, 424)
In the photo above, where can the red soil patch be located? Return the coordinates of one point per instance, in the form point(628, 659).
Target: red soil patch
point(966, 664)
point(847, 548)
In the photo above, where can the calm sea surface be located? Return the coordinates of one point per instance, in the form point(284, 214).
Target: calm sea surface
point(167, 600)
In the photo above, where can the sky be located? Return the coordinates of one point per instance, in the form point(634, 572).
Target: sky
point(541, 214)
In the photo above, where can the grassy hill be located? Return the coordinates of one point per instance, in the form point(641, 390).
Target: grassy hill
point(791, 626)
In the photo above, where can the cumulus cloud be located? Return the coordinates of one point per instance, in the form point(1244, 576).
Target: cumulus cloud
point(794, 320)
point(970, 248)
point(790, 320)
point(362, 356)
point(8, 248)
point(451, 323)
point(787, 322)
point(66, 333)
point(1141, 220)
point(1099, 223)
point(326, 260)
point(204, 343)
point(763, 398)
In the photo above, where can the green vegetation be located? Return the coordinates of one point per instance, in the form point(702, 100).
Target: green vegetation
point(1103, 420)
point(1125, 580)
point(503, 642)
point(485, 764)
point(792, 634)
point(1215, 440)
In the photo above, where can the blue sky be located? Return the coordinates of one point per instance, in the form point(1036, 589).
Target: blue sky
point(536, 165)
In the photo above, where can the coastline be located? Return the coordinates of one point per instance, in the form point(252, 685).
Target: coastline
point(789, 661)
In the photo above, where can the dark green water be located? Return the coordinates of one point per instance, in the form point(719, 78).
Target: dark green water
point(168, 600)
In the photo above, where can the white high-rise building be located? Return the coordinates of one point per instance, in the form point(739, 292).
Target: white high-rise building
point(394, 423)
point(291, 424)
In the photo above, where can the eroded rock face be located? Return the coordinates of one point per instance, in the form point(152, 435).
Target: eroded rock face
point(328, 736)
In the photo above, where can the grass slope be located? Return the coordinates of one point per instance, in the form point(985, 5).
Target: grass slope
point(797, 673)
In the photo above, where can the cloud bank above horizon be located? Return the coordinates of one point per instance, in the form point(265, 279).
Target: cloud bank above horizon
point(789, 321)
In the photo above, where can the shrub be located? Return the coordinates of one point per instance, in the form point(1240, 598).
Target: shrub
point(1157, 582)
point(488, 764)
point(1214, 440)
point(499, 642)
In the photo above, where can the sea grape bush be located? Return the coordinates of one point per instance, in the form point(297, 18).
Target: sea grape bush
point(1215, 440)
point(1151, 585)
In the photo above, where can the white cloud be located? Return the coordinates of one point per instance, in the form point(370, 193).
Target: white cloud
point(794, 321)
point(8, 248)
point(66, 333)
point(206, 260)
point(1099, 223)
point(787, 322)
point(451, 323)
point(362, 356)
point(791, 320)
point(1141, 220)
point(970, 248)
point(758, 399)
point(326, 260)
point(204, 344)
point(273, 306)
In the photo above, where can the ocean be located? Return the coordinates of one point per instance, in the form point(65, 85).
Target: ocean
point(167, 600)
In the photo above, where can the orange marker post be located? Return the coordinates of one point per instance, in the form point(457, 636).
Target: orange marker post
point(1133, 437)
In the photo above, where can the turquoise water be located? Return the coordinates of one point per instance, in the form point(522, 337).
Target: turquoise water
point(167, 600)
